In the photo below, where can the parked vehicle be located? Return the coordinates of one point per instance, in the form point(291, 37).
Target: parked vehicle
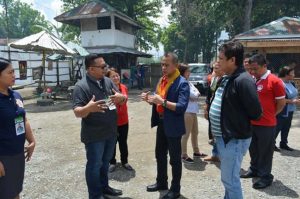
point(199, 73)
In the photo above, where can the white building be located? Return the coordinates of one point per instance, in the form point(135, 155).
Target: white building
point(105, 31)
point(33, 61)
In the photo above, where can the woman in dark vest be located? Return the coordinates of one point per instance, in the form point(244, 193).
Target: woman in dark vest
point(14, 130)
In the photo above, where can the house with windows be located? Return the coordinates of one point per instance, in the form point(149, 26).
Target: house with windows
point(107, 32)
point(279, 40)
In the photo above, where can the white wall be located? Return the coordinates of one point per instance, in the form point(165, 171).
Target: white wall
point(107, 38)
point(35, 60)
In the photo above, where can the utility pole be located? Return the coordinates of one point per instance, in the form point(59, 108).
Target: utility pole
point(7, 28)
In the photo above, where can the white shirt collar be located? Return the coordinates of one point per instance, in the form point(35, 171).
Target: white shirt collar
point(266, 75)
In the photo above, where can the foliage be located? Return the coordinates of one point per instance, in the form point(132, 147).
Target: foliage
point(143, 11)
point(200, 22)
point(22, 20)
point(263, 11)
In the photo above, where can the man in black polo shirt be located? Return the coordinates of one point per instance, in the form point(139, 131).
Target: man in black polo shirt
point(94, 101)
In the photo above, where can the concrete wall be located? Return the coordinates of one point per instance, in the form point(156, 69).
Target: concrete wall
point(107, 38)
point(35, 60)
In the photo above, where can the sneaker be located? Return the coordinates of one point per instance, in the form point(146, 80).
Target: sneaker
point(212, 159)
point(187, 160)
point(112, 168)
point(199, 155)
point(127, 167)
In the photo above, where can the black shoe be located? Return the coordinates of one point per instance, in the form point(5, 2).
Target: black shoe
point(112, 192)
point(171, 195)
point(187, 160)
point(155, 187)
point(286, 147)
point(248, 174)
point(127, 167)
point(261, 184)
point(112, 168)
point(276, 149)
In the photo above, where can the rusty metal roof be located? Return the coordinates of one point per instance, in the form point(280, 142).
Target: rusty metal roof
point(285, 28)
point(91, 9)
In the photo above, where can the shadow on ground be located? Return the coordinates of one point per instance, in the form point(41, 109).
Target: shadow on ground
point(279, 189)
point(118, 197)
point(199, 165)
point(295, 153)
point(163, 193)
point(58, 106)
point(121, 174)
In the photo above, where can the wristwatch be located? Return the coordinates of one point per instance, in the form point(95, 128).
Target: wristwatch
point(164, 103)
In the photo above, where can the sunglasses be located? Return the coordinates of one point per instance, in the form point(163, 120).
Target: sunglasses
point(101, 66)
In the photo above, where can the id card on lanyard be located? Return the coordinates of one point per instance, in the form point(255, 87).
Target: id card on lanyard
point(19, 120)
point(19, 125)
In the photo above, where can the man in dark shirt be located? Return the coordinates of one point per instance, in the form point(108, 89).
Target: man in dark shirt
point(234, 103)
point(95, 97)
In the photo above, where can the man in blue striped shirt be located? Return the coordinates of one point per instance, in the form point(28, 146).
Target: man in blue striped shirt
point(215, 109)
point(233, 105)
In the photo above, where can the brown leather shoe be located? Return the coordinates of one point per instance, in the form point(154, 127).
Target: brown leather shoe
point(212, 159)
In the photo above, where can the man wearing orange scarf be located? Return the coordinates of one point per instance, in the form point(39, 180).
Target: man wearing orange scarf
point(169, 104)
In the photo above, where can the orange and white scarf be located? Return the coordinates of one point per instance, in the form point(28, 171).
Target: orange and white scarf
point(163, 87)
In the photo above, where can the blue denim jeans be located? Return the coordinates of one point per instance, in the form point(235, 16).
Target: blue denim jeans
point(215, 150)
point(98, 155)
point(231, 156)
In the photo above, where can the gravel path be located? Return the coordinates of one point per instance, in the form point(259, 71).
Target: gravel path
point(57, 168)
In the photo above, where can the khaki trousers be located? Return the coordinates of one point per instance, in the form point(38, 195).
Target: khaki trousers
point(191, 127)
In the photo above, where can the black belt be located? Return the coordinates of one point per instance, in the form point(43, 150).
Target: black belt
point(161, 116)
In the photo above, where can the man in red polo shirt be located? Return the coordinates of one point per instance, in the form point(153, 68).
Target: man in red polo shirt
point(271, 94)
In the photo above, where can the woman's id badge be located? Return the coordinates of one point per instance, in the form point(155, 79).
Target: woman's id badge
point(20, 126)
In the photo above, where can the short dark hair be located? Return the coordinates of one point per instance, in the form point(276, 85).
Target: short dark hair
point(247, 56)
point(90, 60)
point(233, 49)
point(285, 71)
point(173, 56)
point(4, 63)
point(111, 71)
point(260, 59)
point(183, 68)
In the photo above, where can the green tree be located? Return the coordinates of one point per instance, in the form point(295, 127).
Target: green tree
point(173, 39)
point(242, 15)
point(199, 26)
point(143, 11)
point(22, 20)
point(201, 21)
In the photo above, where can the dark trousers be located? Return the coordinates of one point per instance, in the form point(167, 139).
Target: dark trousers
point(164, 145)
point(123, 147)
point(261, 151)
point(98, 155)
point(283, 127)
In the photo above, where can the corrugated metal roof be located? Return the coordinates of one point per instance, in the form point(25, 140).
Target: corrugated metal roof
point(91, 9)
point(77, 48)
point(283, 28)
point(116, 49)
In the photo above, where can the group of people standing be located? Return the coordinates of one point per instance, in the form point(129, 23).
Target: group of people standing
point(246, 109)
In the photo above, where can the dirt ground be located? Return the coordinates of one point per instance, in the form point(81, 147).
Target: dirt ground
point(57, 168)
